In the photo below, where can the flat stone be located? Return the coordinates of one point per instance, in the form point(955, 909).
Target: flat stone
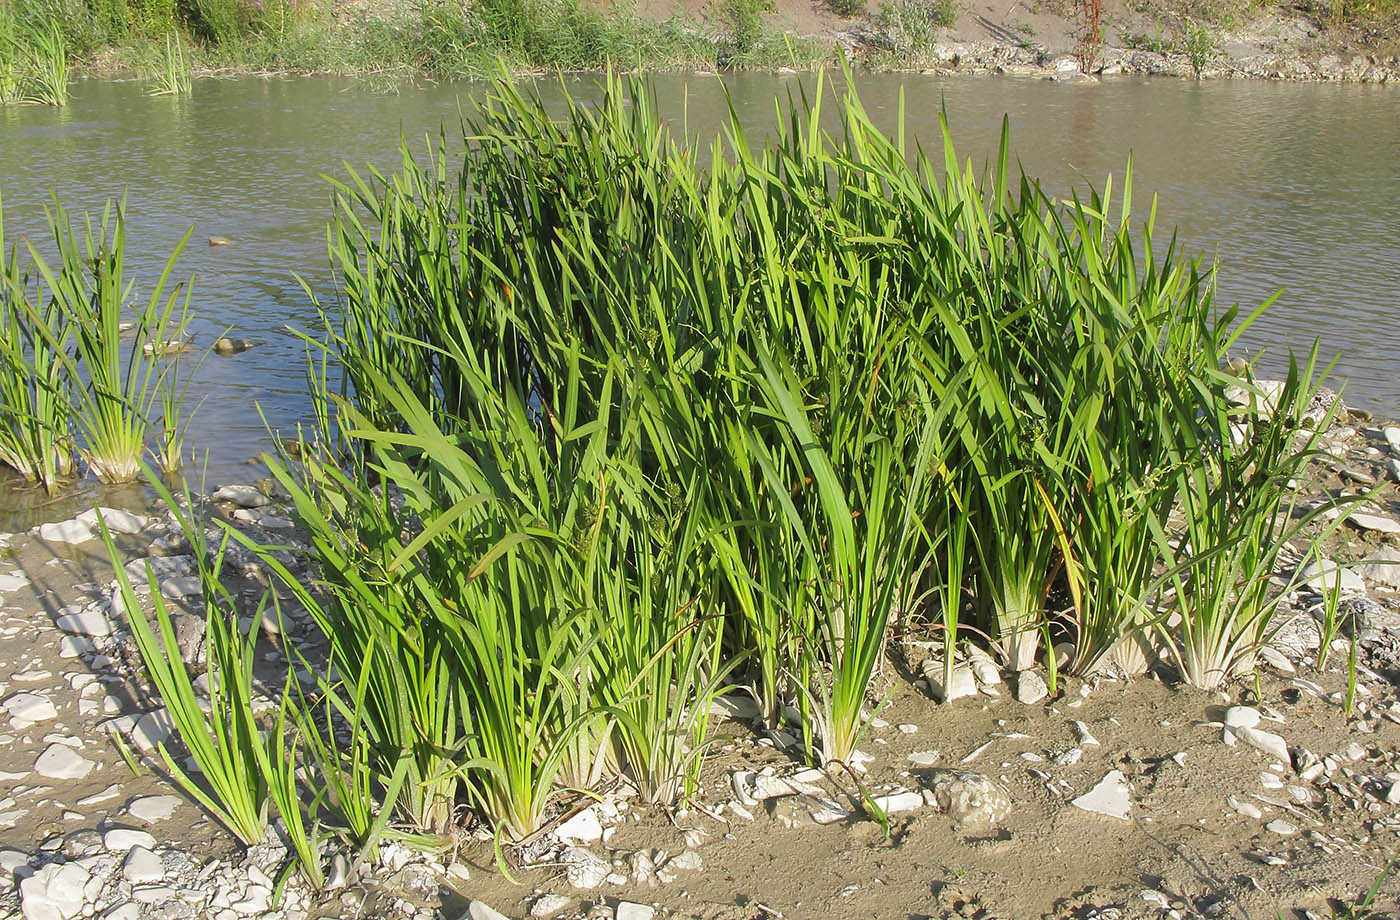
point(964, 682)
point(924, 758)
point(583, 827)
point(1276, 660)
point(117, 521)
point(1242, 717)
point(1281, 827)
point(241, 495)
point(1374, 522)
point(12, 581)
point(1110, 796)
point(59, 761)
point(122, 839)
point(1268, 742)
point(70, 647)
point(583, 868)
point(91, 622)
point(686, 861)
point(1248, 809)
point(53, 892)
point(1322, 576)
point(1030, 688)
point(1083, 736)
point(255, 901)
point(160, 567)
point(480, 910)
point(153, 808)
point(64, 532)
point(1381, 567)
point(102, 795)
point(630, 910)
point(30, 707)
point(550, 905)
point(152, 729)
point(899, 802)
point(735, 706)
point(181, 586)
point(141, 866)
point(154, 894)
point(1392, 438)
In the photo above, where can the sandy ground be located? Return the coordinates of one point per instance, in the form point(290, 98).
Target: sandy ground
point(1200, 837)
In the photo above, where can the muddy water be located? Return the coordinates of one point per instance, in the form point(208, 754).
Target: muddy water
point(1288, 186)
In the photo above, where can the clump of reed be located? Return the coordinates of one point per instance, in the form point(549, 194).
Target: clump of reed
point(87, 369)
point(616, 433)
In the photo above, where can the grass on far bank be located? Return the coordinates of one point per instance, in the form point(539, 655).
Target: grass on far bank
point(437, 39)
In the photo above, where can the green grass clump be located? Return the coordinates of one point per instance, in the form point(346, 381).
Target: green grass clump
point(85, 367)
point(616, 433)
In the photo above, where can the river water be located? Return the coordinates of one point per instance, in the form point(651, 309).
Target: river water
point(1292, 186)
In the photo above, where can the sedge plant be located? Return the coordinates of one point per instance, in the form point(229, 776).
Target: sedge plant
point(119, 393)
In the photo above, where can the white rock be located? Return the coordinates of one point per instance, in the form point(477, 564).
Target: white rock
point(1109, 797)
point(550, 905)
point(1381, 567)
point(583, 869)
point(117, 521)
point(735, 706)
point(964, 683)
point(70, 647)
point(64, 532)
point(160, 567)
point(152, 729)
point(1392, 796)
point(899, 802)
point(1031, 688)
point(1268, 742)
point(972, 800)
point(154, 894)
point(30, 707)
point(141, 866)
point(480, 910)
point(583, 827)
point(686, 861)
point(102, 795)
point(153, 808)
point(629, 910)
point(181, 586)
point(1322, 576)
point(907, 728)
point(1375, 522)
point(122, 839)
point(54, 892)
point(1281, 827)
point(12, 581)
point(127, 911)
point(984, 667)
point(91, 622)
point(1082, 733)
point(1248, 809)
point(59, 761)
point(255, 901)
point(924, 758)
point(1242, 717)
point(1276, 660)
point(244, 496)
point(1392, 438)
